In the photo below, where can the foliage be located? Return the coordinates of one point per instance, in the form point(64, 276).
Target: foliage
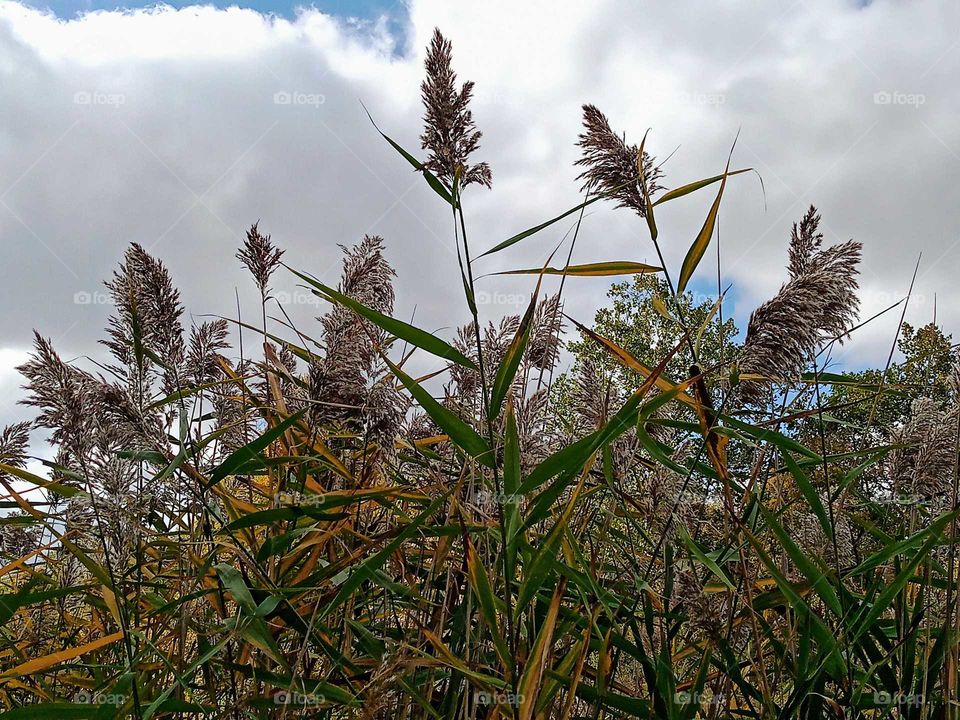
point(926, 369)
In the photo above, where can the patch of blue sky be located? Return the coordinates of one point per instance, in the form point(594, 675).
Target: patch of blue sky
point(359, 9)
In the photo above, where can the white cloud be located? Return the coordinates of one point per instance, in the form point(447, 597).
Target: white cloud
point(10, 379)
point(10, 382)
point(161, 127)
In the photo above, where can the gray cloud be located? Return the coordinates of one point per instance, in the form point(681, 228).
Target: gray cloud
point(166, 128)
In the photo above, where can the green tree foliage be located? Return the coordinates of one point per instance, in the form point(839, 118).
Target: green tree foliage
point(639, 320)
point(925, 369)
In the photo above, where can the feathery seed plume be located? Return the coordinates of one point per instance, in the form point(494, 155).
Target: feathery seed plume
point(611, 165)
point(543, 350)
point(206, 342)
point(13, 445)
point(147, 307)
point(260, 257)
point(805, 240)
point(924, 467)
point(340, 381)
point(449, 131)
point(65, 396)
point(818, 302)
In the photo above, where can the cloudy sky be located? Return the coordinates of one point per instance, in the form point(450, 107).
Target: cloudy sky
point(178, 126)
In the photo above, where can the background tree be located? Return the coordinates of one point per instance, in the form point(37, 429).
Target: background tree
point(637, 319)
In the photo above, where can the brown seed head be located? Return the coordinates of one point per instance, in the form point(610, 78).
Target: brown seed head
point(449, 131)
point(612, 166)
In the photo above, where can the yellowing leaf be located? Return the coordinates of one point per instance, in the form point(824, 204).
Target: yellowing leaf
point(42, 663)
point(110, 599)
point(660, 306)
point(599, 269)
point(631, 362)
point(699, 247)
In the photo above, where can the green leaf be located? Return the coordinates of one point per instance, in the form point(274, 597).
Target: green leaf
point(699, 247)
point(701, 556)
point(598, 269)
point(535, 572)
point(511, 485)
point(511, 359)
point(233, 582)
point(507, 371)
point(692, 709)
point(634, 706)
point(483, 591)
point(204, 658)
point(825, 638)
point(532, 231)
point(413, 335)
point(464, 436)
point(250, 625)
point(809, 493)
point(53, 711)
point(58, 488)
point(11, 602)
point(298, 683)
point(265, 517)
point(764, 434)
point(873, 610)
point(252, 450)
point(889, 550)
point(572, 457)
point(647, 205)
point(694, 186)
point(570, 464)
point(366, 569)
point(438, 187)
point(817, 577)
point(174, 705)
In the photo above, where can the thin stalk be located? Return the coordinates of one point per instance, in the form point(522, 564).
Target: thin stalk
point(501, 517)
point(563, 280)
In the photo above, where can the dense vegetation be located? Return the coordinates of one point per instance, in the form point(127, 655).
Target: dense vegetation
point(682, 524)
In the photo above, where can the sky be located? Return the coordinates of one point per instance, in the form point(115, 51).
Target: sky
point(179, 126)
point(69, 9)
